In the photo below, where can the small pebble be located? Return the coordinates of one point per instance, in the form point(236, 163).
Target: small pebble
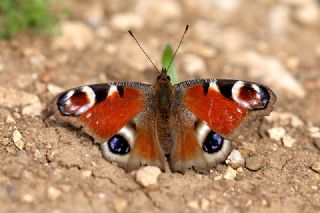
point(276, 133)
point(293, 62)
point(17, 139)
point(1, 67)
point(74, 35)
point(278, 20)
point(193, 64)
point(316, 166)
point(272, 71)
point(248, 147)
point(235, 159)
point(54, 89)
point(86, 173)
point(313, 187)
point(165, 10)
point(218, 177)
point(37, 154)
point(307, 14)
point(317, 143)
point(14, 170)
point(32, 110)
point(27, 198)
point(120, 205)
point(314, 132)
point(53, 193)
point(240, 169)
point(4, 141)
point(230, 174)
point(125, 21)
point(264, 202)
point(10, 120)
point(204, 204)
point(193, 204)
point(148, 176)
point(288, 141)
point(94, 14)
point(254, 163)
point(285, 118)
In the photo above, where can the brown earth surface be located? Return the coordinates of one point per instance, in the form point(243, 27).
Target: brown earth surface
point(49, 167)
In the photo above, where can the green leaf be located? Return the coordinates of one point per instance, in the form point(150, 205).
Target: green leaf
point(21, 15)
point(167, 55)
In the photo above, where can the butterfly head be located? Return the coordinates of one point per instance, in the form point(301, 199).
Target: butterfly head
point(163, 76)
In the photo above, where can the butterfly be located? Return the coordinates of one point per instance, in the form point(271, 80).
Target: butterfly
point(188, 124)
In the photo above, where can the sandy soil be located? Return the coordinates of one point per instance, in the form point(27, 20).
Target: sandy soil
point(49, 167)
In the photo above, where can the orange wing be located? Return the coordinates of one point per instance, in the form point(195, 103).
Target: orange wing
point(119, 117)
point(209, 112)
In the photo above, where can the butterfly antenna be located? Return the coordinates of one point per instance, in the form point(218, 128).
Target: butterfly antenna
point(130, 32)
point(175, 52)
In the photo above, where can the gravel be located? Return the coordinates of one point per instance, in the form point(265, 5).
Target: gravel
point(254, 163)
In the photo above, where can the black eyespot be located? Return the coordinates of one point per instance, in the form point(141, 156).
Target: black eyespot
point(119, 145)
point(213, 143)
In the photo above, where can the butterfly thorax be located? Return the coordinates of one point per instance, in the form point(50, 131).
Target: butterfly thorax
point(163, 101)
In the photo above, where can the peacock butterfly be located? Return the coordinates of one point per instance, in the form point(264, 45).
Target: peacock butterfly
point(190, 124)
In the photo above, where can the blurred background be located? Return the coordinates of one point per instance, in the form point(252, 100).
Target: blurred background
point(76, 42)
point(47, 46)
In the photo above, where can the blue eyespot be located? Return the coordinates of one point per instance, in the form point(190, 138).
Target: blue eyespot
point(213, 143)
point(119, 145)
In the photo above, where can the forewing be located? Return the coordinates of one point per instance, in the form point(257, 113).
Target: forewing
point(208, 113)
point(119, 116)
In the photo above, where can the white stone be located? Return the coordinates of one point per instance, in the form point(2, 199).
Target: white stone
point(235, 159)
point(148, 176)
point(230, 174)
point(32, 110)
point(27, 198)
point(125, 21)
point(225, 39)
point(279, 20)
point(12, 98)
point(53, 193)
point(17, 139)
point(94, 14)
point(74, 35)
point(314, 131)
point(271, 71)
point(120, 205)
point(226, 5)
point(2, 67)
point(218, 177)
point(193, 64)
point(277, 133)
point(308, 14)
point(37, 154)
point(158, 11)
point(10, 120)
point(54, 89)
point(285, 118)
point(296, 3)
point(193, 204)
point(204, 204)
point(316, 166)
point(288, 141)
point(86, 173)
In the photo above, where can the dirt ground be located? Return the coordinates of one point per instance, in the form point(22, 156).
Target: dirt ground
point(49, 167)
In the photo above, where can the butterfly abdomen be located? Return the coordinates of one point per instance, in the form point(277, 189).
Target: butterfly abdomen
point(164, 116)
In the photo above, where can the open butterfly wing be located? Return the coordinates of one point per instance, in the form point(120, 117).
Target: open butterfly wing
point(208, 113)
point(116, 115)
